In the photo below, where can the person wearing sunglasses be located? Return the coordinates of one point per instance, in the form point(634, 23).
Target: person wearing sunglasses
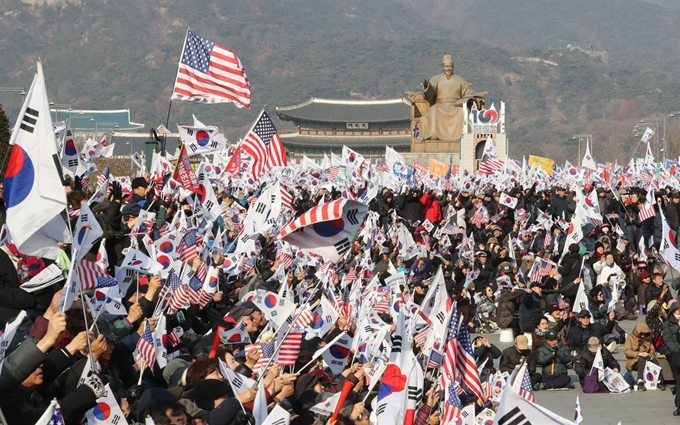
point(639, 349)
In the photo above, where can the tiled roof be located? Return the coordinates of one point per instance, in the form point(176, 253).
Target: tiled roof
point(105, 120)
point(329, 110)
point(296, 140)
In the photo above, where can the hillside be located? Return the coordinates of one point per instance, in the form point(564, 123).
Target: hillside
point(125, 54)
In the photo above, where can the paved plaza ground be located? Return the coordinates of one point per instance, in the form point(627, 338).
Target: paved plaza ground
point(651, 407)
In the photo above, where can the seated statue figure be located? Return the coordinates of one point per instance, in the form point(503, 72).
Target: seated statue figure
point(446, 93)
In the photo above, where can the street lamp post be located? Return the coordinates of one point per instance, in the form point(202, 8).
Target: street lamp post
point(20, 90)
point(580, 137)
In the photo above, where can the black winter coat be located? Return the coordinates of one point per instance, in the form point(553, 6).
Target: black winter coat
point(529, 311)
point(511, 358)
point(409, 207)
point(578, 336)
point(584, 362)
point(570, 267)
point(13, 299)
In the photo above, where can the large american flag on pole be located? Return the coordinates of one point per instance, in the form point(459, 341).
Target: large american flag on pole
point(465, 362)
point(264, 145)
point(210, 73)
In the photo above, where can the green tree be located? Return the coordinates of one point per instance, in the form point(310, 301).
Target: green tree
point(5, 135)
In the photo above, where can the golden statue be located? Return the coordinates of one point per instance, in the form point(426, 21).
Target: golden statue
point(446, 94)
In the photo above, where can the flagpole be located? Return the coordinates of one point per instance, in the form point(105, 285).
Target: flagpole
point(167, 120)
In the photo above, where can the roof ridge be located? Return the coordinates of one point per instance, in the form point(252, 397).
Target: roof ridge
point(91, 111)
point(317, 100)
point(337, 136)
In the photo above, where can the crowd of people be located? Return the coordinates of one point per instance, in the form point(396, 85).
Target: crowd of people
point(507, 266)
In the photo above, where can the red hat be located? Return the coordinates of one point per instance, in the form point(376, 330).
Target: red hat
point(643, 275)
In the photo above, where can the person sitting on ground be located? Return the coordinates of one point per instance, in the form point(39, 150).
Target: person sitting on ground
point(579, 335)
point(554, 358)
point(655, 318)
point(657, 290)
point(583, 366)
point(485, 353)
point(639, 350)
point(512, 356)
point(485, 313)
point(538, 335)
point(530, 310)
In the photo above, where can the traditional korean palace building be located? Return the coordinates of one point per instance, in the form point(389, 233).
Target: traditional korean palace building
point(366, 126)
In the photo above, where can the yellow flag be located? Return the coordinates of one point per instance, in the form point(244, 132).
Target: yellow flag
point(546, 163)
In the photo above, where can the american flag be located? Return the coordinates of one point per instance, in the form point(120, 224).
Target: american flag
point(449, 372)
point(525, 389)
point(290, 348)
point(284, 254)
point(647, 210)
point(55, 416)
point(304, 319)
point(92, 275)
point(145, 346)
point(382, 166)
point(346, 307)
point(490, 162)
point(351, 275)
point(180, 293)
point(103, 177)
point(452, 407)
point(265, 146)
point(487, 387)
point(164, 230)
point(196, 290)
point(187, 246)
point(286, 198)
point(548, 240)
point(248, 265)
point(421, 337)
point(173, 339)
point(541, 267)
point(490, 165)
point(202, 271)
point(332, 172)
point(465, 362)
point(210, 73)
point(266, 350)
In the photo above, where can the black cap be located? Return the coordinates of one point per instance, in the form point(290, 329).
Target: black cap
point(584, 313)
point(139, 182)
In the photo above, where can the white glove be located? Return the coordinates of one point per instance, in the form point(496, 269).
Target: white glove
point(95, 384)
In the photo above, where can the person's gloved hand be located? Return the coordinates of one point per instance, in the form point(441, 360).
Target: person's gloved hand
point(116, 191)
point(95, 384)
point(149, 196)
point(78, 183)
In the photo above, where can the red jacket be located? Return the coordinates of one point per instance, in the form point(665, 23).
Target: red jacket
point(434, 212)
